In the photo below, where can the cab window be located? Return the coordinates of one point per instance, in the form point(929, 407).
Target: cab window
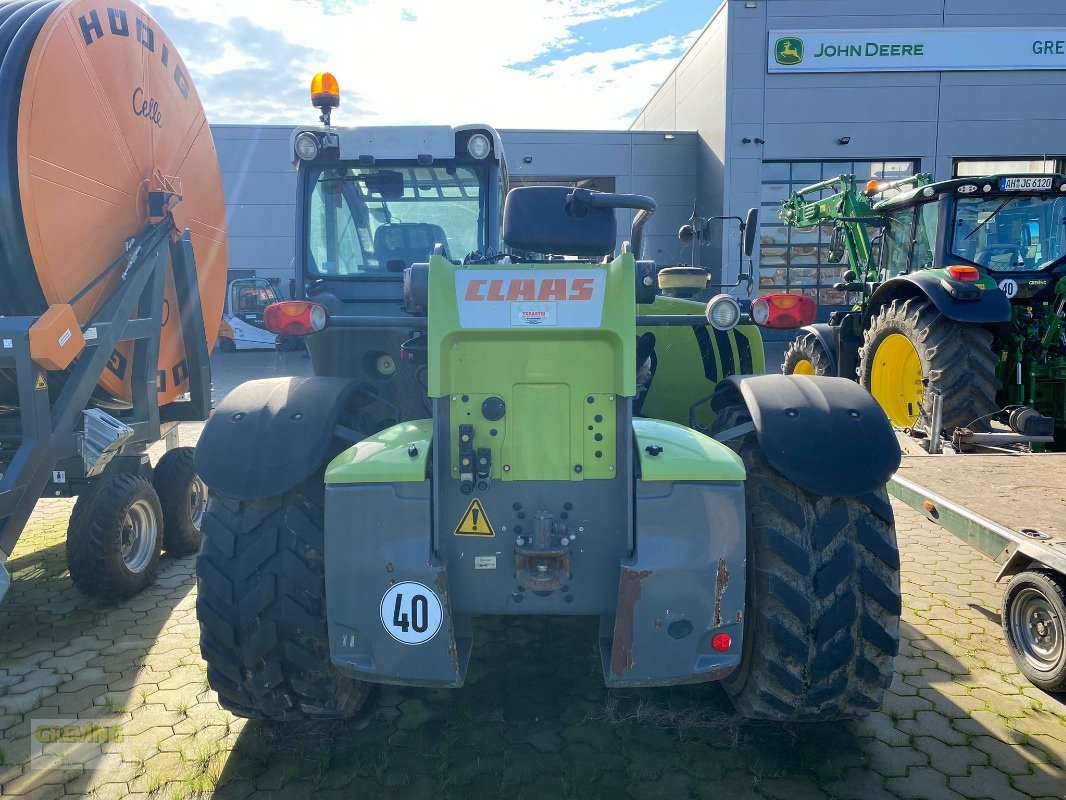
point(925, 235)
point(896, 251)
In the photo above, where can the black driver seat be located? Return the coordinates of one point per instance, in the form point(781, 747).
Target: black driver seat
point(409, 242)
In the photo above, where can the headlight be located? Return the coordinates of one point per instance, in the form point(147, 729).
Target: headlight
point(306, 146)
point(723, 312)
point(478, 146)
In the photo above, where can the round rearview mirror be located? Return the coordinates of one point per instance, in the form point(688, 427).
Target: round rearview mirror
point(686, 234)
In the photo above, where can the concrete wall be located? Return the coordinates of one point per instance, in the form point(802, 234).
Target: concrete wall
point(260, 184)
point(694, 97)
point(642, 163)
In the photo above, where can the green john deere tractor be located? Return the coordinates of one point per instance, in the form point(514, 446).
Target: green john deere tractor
point(492, 429)
point(960, 302)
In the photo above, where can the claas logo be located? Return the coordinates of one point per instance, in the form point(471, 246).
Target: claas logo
point(528, 289)
point(788, 51)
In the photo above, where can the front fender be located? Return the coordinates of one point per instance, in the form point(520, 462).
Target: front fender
point(269, 436)
point(826, 335)
point(990, 306)
point(827, 435)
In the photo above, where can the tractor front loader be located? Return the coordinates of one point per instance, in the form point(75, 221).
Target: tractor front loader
point(354, 531)
point(959, 309)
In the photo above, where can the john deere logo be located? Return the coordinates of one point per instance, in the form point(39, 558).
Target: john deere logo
point(788, 51)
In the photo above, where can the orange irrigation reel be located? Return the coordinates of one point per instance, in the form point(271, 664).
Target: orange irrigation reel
point(97, 109)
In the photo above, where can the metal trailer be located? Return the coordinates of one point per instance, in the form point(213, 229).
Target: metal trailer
point(1012, 508)
point(59, 444)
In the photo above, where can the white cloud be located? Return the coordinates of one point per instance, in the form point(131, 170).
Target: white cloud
point(420, 61)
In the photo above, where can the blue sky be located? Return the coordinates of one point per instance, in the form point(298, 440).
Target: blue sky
point(509, 63)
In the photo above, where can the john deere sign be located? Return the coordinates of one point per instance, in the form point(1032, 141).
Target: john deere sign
point(916, 49)
point(788, 51)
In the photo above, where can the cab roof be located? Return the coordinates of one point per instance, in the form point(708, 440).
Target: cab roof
point(923, 193)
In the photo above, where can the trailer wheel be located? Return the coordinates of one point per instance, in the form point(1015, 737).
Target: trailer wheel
point(113, 537)
point(806, 356)
point(262, 611)
point(183, 498)
point(226, 345)
point(1034, 622)
point(823, 597)
point(908, 343)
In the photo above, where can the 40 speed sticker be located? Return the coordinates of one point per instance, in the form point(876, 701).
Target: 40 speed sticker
point(411, 613)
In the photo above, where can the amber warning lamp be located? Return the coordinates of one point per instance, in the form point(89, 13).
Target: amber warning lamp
point(325, 94)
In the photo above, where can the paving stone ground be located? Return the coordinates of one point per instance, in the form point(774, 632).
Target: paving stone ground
point(534, 719)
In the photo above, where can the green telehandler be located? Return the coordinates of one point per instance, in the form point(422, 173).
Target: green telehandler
point(959, 317)
point(505, 419)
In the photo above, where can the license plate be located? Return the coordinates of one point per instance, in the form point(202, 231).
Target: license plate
point(1024, 184)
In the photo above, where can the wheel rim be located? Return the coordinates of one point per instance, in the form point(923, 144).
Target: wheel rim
point(197, 501)
point(803, 367)
point(139, 536)
point(1037, 629)
point(896, 379)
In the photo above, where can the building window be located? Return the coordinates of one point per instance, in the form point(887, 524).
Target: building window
point(794, 259)
point(976, 167)
point(602, 183)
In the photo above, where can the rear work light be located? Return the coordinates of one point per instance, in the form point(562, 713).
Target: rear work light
point(964, 272)
point(295, 317)
point(783, 310)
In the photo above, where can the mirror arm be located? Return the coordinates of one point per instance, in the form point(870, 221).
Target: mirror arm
point(637, 236)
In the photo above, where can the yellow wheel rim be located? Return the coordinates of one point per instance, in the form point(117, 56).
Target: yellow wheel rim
point(803, 367)
point(896, 379)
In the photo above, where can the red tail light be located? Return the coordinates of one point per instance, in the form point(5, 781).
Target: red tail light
point(722, 642)
point(783, 310)
point(964, 272)
point(295, 317)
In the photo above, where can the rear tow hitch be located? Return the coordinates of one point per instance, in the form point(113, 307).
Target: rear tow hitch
point(542, 560)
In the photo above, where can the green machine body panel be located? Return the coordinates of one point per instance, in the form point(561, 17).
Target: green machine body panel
point(395, 455)
point(553, 345)
point(689, 362)
point(672, 452)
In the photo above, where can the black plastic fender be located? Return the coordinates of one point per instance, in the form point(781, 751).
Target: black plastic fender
point(827, 435)
point(268, 436)
point(990, 305)
point(826, 334)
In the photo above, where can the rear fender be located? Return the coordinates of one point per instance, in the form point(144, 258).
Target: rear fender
point(990, 306)
point(827, 435)
point(269, 436)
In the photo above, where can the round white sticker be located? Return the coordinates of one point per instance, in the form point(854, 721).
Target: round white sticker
point(1008, 287)
point(411, 613)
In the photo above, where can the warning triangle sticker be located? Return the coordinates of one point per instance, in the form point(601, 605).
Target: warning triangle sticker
point(41, 383)
point(475, 521)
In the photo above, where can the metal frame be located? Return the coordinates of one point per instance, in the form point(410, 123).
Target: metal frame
point(46, 431)
point(1013, 551)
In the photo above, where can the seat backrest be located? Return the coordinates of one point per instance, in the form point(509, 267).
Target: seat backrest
point(410, 242)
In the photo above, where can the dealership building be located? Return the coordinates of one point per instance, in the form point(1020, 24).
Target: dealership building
point(773, 95)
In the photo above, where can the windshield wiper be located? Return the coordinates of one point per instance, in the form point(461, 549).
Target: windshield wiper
point(991, 217)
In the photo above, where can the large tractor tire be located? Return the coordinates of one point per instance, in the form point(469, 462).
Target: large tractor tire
point(262, 611)
point(823, 597)
point(806, 356)
point(909, 343)
point(183, 497)
point(113, 537)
